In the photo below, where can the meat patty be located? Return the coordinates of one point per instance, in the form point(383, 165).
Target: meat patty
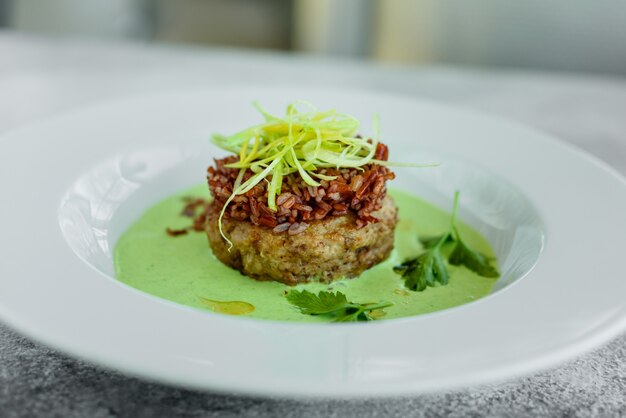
point(329, 249)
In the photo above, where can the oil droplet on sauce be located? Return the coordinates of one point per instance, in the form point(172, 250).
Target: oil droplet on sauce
point(402, 292)
point(229, 308)
point(378, 313)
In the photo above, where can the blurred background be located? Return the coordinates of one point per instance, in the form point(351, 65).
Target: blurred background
point(572, 35)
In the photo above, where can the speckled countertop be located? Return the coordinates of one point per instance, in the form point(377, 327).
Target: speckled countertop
point(41, 77)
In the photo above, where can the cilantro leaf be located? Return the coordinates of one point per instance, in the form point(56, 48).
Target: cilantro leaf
point(426, 269)
point(429, 267)
point(335, 305)
point(320, 304)
point(476, 261)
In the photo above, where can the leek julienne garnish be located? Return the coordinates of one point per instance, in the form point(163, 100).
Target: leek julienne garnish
point(303, 141)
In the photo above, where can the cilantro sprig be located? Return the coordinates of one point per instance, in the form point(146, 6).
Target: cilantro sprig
point(429, 267)
point(333, 305)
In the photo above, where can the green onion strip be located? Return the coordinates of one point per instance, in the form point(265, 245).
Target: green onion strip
point(303, 141)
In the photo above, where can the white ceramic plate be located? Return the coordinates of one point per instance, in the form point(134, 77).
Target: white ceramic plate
point(71, 185)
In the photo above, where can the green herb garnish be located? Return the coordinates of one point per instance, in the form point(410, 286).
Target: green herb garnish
point(301, 142)
point(429, 267)
point(476, 261)
point(334, 305)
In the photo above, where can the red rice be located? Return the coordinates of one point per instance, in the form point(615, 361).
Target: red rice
point(358, 191)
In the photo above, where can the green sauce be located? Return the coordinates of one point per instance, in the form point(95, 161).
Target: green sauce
point(184, 270)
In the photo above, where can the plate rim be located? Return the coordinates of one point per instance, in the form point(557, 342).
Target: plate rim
point(596, 338)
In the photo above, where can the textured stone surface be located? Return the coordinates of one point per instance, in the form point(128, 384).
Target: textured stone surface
point(38, 382)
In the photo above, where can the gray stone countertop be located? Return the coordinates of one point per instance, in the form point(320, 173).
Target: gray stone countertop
point(42, 77)
point(39, 382)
